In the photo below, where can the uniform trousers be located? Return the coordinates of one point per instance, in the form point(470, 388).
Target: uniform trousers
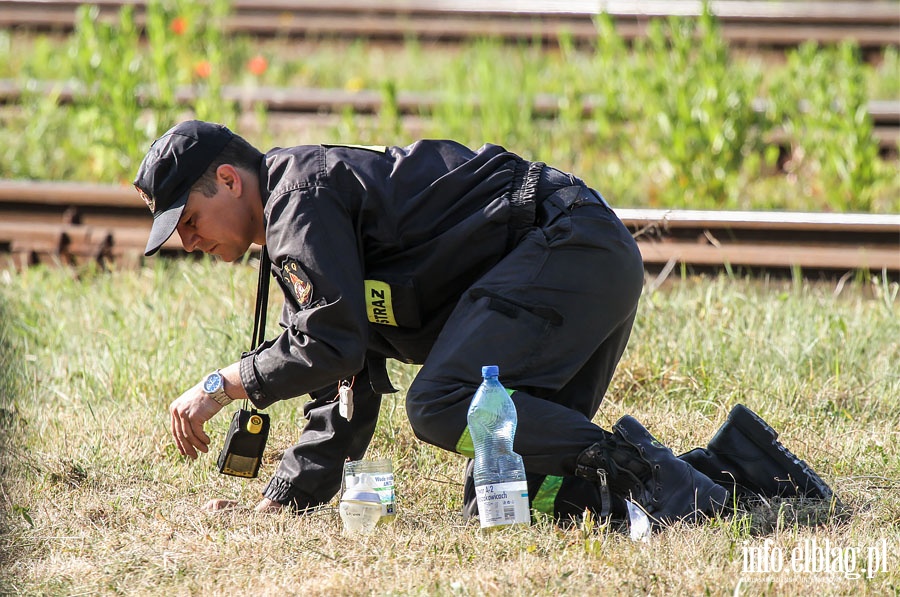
point(555, 315)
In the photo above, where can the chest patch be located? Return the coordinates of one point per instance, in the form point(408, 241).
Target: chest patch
point(296, 279)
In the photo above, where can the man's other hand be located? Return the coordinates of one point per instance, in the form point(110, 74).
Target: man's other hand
point(265, 506)
point(188, 414)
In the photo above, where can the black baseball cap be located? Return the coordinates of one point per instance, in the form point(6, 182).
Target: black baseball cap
point(173, 164)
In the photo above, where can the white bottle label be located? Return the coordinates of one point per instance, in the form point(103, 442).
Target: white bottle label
point(503, 503)
point(382, 483)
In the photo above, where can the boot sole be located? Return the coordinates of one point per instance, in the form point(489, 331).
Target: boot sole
point(802, 479)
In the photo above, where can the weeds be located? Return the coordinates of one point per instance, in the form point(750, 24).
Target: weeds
point(125, 92)
point(698, 115)
point(672, 119)
point(822, 104)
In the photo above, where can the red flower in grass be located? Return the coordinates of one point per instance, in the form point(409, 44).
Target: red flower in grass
point(257, 65)
point(203, 69)
point(178, 25)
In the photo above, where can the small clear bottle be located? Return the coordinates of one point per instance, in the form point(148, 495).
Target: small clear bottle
point(360, 509)
point(377, 474)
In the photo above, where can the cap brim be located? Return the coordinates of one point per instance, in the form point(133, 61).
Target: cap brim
point(164, 225)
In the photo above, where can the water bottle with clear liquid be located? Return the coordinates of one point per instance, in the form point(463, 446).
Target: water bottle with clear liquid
point(500, 485)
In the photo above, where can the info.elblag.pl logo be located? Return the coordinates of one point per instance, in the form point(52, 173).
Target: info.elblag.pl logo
point(816, 556)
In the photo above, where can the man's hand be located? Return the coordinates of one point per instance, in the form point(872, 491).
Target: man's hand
point(265, 506)
point(189, 412)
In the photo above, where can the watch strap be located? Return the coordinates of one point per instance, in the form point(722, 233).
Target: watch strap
point(219, 394)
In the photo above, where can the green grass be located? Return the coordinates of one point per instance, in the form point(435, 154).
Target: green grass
point(96, 499)
point(674, 126)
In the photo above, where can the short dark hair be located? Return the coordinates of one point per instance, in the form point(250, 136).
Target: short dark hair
point(239, 153)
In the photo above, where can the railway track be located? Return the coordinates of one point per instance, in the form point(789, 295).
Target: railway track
point(74, 223)
point(758, 24)
point(302, 109)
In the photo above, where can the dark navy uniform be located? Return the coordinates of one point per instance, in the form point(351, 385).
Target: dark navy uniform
point(451, 258)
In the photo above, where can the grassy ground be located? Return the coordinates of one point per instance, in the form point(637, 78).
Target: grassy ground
point(97, 501)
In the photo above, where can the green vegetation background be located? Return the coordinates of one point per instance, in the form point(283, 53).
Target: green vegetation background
point(679, 119)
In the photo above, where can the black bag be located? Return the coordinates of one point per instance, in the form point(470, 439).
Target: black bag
point(245, 443)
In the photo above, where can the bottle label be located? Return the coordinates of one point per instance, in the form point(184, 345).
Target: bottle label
point(382, 483)
point(503, 503)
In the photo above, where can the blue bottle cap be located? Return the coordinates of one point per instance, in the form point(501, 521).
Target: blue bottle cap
point(490, 371)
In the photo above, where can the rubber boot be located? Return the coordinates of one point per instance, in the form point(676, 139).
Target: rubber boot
point(745, 456)
point(634, 465)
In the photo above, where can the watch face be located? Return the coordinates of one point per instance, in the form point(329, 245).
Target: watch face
point(212, 383)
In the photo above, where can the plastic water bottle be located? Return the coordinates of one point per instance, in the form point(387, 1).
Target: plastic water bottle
point(500, 486)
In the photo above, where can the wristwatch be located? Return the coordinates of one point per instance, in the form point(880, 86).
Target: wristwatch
point(214, 385)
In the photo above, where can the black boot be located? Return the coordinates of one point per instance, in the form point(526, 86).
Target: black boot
point(745, 456)
point(635, 465)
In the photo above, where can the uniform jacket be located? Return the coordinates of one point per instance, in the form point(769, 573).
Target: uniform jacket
point(372, 248)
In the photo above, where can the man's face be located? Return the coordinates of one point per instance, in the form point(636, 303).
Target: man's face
point(219, 225)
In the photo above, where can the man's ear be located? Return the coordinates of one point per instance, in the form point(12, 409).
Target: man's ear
point(230, 177)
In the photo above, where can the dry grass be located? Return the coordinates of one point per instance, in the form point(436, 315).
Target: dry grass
point(96, 500)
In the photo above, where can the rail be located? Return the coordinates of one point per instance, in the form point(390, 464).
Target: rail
point(72, 223)
point(746, 23)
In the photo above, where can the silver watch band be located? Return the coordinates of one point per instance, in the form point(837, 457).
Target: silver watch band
point(219, 394)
